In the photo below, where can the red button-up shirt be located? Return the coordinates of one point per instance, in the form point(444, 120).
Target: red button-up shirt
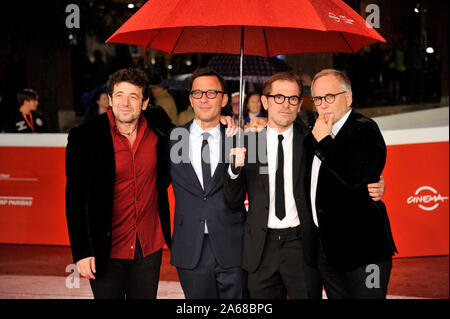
point(135, 206)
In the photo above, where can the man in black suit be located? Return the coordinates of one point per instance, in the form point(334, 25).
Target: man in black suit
point(279, 238)
point(116, 194)
point(207, 235)
point(345, 152)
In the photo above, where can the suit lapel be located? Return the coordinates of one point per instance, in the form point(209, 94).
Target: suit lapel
point(105, 148)
point(347, 125)
point(217, 177)
point(309, 157)
point(297, 155)
point(191, 176)
point(221, 166)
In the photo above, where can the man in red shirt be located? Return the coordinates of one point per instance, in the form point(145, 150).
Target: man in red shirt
point(116, 196)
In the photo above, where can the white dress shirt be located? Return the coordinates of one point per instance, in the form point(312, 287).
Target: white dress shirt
point(291, 219)
point(195, 148)
point(317, 163)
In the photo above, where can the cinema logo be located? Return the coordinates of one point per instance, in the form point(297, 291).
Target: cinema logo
point(427, 198)
point(16, 201)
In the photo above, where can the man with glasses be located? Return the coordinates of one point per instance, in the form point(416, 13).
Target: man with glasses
point(207, 235)
point(281, 238)
point(279, 230)
point(347, 151)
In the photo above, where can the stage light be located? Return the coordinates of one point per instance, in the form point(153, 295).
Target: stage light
point(430, 50)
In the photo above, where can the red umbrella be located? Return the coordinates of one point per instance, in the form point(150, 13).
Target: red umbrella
point(254, 27)
point(270, 27)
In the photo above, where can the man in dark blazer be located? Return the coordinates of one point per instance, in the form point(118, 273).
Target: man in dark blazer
point(280, 245)
point(116, 194)
point(345, 152)
point(207, 235)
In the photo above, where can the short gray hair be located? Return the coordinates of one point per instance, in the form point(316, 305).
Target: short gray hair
point(342, 77)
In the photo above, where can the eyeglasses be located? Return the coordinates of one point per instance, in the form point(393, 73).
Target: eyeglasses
point(329, 98)
point(210, 94)
point(280, 98)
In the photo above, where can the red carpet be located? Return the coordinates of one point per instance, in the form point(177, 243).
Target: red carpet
point(425, 277)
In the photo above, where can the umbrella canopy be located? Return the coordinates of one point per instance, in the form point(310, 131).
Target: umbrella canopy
point(253, 27)
point(269, 28)
point(256, 69)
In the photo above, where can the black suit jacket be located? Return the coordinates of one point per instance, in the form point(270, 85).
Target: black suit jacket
point(90, 173)
point(354, 230)
point(193, 206)
point(253, 180)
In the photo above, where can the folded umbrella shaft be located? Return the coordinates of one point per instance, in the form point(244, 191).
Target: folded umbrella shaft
point(241, 89)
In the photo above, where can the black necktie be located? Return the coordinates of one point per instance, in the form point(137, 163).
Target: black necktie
point(206, 162)
point(280, 210)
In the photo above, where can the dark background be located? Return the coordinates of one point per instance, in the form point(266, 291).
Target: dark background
point(38, 51)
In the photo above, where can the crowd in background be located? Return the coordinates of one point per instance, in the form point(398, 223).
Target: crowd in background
point(383, 74)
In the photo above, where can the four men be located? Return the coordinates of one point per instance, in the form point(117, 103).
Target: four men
point(117, 210)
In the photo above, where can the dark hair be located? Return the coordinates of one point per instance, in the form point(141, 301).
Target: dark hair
point(207, 72)
point(131, 75)
point(98, 95)
point(284, 76)
point(26, 95)
point(262, 111)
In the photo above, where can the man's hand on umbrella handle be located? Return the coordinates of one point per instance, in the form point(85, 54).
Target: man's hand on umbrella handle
point(239, 156)
point(376, 190)
point(86, 267)
point(322, 127)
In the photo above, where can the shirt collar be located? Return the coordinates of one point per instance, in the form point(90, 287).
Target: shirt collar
point(286, 134)
point(112, 121)
point(197, 131)
point(338, 125)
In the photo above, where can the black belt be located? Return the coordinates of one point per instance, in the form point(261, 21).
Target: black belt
point(285, 233)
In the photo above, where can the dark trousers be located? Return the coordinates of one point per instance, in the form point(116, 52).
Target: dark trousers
point(283, 271)
point(366, 282)
point(209, 280)
point(129, 278)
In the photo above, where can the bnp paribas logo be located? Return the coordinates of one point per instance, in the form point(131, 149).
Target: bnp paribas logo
point(16, 201)
point(426, 198)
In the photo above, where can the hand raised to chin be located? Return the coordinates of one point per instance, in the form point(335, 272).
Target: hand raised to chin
point(322, 127)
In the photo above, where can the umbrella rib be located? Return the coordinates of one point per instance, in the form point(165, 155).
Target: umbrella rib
point(265, 41)
point(178, 39)
point(149, 42)
point(353, 51)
